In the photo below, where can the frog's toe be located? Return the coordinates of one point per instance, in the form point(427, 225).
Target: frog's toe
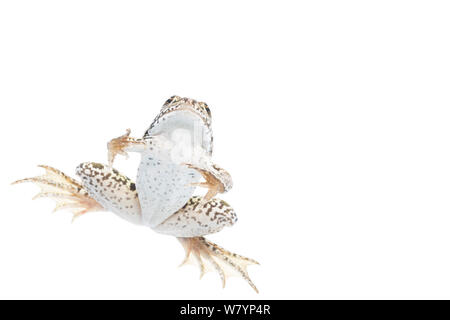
point(117, 145)
point(121, 145)
point(217, 180)
point(213, 189)
point(65, 191)
point(210, 257)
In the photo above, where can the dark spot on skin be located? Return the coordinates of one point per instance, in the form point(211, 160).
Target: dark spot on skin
point(98, 166)
point(132, 186)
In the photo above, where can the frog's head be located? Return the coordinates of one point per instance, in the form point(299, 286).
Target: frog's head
point(200, 109)
point(184, 113)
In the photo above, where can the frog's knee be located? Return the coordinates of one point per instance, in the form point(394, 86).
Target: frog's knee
point(197, 218)
point(97, 175)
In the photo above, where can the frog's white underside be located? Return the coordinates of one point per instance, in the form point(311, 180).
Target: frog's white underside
point(163, 187)
point(164, 182)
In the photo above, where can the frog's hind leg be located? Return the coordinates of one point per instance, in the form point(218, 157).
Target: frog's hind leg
point(67, 192)
point(210, 257)
point(113, 190)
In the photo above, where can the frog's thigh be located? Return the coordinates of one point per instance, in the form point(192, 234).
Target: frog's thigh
point(114, 191)
point(198, 218)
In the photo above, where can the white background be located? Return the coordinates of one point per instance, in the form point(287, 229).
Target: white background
point(332, 116)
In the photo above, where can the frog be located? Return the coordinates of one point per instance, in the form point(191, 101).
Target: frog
point(175, 152)
point(162, 198)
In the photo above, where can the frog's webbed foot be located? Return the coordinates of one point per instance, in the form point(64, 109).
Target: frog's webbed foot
point(121, 145)
point(210, 257)
point(217, 180)
point(67, 192)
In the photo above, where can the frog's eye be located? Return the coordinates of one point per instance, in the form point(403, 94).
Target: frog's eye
point(205, 106)
point(207, 110)
point(169, 100)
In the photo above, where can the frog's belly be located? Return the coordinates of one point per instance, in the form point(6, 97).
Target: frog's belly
point(163, 187)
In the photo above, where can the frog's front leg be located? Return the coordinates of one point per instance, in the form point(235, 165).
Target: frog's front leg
point(217, 179)
point(124, 144)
